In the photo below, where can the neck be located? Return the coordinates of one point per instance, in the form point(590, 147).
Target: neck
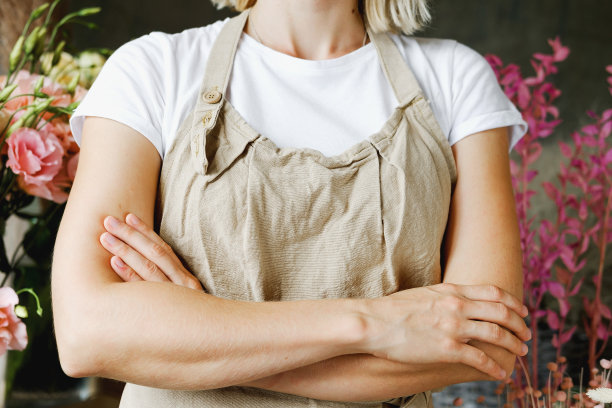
point(308, 29)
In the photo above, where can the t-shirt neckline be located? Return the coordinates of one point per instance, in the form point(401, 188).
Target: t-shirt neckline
point(251, 45)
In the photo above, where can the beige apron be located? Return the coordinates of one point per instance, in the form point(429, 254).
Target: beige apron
point(256, 222)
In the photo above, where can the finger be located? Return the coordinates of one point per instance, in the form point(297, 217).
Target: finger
point(492, 293)
point(136, 223)
point(181, 276)
point(494, 334)
point(147, 269)
point(157, 254)
point(474, 357)
point(498, 313)
point(124, 271)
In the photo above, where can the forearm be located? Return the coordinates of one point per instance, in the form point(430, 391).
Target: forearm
point(363, 377)
point(167, 336)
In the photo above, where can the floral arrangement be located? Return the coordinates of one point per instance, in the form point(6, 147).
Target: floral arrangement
point(38, 153)
point(555, 250)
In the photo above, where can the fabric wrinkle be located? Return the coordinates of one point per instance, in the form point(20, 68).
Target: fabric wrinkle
point(256, 222)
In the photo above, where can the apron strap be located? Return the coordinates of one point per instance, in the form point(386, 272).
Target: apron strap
point(214, 84)
point(397, 71)
point(219, 67)
point(221, 59)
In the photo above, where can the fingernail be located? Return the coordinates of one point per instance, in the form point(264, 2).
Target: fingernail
point(502, 373)
point(112, 221)
point(132, 219)
point(109, 238)
point(118, 262)
point(524, 349)
point(525, 310)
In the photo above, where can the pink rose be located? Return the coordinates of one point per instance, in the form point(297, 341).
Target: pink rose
point(36, 157)
point(13, 334)
point(61, 130)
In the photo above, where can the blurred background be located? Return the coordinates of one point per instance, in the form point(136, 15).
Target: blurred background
point(511, 29)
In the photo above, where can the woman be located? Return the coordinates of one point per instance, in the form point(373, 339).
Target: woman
point(349, 257)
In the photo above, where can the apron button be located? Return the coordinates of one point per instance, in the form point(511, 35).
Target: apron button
point(212, 96)
point(207, 118)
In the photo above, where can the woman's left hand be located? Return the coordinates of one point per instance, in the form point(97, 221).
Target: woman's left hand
point(141, 254)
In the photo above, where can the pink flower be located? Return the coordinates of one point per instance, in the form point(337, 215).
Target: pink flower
point(61, 130)
point(13, 334)
point(36, 157)
point(25, 85)
point(79, 93)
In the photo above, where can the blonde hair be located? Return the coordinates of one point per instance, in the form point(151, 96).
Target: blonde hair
point(405, 16)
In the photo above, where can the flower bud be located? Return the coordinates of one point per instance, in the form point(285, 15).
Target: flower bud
point(57, 54)
point(42, 104)
point(38, 11)
point(31, 41)
point(16, 125)
point(73, 83)
point(15, 54)
point(21, 311)
point(6, 92)
point(88, 11)
point(40, 41)
point(39, 84)
point(46, 62)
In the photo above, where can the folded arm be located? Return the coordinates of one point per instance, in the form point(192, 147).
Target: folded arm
point(481, 246)
point(156, 334)
point(169, 336)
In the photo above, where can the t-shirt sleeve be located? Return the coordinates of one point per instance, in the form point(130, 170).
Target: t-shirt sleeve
point(129, 90)
point(478, 101)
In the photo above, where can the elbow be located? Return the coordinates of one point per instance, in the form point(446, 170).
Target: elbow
point(75, 326)
point(76, 354)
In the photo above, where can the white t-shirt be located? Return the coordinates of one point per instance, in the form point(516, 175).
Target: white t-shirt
point(151, 84)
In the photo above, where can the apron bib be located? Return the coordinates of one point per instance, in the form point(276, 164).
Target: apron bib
point(255, 222)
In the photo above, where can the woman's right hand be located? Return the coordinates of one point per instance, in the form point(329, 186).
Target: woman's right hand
point(433, 324)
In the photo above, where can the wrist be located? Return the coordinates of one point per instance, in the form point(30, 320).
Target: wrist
point(361, 327)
